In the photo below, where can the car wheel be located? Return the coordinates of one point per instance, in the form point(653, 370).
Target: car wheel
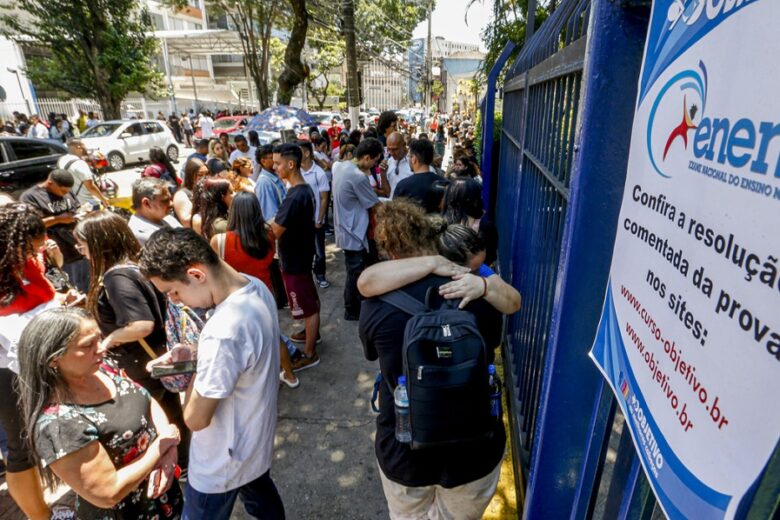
point(173, 153)
point(116, 160)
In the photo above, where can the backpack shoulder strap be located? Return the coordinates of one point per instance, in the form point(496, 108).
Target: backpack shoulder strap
point(70, 163)
point(404, 301)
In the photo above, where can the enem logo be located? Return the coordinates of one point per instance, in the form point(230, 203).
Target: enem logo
point(677, 119)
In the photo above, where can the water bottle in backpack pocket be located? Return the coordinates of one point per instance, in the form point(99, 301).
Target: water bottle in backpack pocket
point(403, 430)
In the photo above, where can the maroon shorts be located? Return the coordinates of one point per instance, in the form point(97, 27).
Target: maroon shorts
point(302, 295)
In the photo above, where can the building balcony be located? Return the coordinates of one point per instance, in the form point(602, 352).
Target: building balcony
point(192, 12)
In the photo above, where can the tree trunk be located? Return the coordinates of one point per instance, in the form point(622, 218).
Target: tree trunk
point(263, 91)
point(295, 71)
point(112, 108)
point(353, 89)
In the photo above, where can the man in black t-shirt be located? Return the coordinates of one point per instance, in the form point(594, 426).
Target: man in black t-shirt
point(58, 206)
point(418, 186)
point(293, 226)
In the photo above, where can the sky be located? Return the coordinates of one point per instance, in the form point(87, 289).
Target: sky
point(448, 21)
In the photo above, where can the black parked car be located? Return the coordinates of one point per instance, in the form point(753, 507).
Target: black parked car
point(25, 162)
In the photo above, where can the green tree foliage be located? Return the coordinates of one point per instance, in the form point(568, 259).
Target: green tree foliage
point(508, 23)
point(92, 48)
point(326, 54)
point(383, 28)
point(253, 21)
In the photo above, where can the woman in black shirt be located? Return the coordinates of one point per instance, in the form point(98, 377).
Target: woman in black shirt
point(129, 310)
point(93, 428)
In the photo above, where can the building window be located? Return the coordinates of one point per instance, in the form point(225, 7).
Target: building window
point(158, 21)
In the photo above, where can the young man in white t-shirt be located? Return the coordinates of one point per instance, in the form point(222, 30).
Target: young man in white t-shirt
point(318, 180)
point(230, 405)
point(206, 126)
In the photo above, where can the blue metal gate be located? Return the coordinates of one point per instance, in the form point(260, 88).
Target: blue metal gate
point(567, 113)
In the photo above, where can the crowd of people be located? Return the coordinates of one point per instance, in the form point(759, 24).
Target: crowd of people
point(56, 126)
point(91, 303)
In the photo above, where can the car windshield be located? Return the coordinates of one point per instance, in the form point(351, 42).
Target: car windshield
point(322, 118)
point(101, 130)
point(226, 123)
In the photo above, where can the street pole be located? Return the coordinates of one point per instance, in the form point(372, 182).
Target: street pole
point(428, 62)
point(353, 89)
point(194, 88)
point(249, 88)
point(167, 63)
point(21, 89)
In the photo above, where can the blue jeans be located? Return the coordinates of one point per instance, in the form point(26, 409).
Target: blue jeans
point(260, 498)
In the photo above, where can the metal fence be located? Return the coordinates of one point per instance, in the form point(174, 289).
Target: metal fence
point(541, 105)
point(45, 106)
point(133, 106)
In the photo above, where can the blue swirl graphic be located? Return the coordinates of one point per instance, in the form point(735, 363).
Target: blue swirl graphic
point(698, 84)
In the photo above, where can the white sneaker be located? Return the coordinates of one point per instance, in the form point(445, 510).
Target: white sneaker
point(292, 384)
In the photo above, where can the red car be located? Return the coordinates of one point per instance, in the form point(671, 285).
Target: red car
point(227, 125)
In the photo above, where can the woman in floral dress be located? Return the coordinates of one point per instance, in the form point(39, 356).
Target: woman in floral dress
point(91, 427)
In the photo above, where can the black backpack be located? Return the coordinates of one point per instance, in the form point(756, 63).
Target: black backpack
point(446, 368)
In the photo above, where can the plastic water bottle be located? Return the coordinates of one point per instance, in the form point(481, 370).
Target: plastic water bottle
point(495, 392)
point(403, 427)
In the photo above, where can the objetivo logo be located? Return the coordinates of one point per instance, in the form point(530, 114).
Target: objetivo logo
point(676, 112)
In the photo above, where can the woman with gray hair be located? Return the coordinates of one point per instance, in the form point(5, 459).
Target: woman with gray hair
point(92, 428)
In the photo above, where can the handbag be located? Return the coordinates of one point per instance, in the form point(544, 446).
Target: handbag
point(56, 276)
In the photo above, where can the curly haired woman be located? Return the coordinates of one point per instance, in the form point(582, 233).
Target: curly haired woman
point(23, 287)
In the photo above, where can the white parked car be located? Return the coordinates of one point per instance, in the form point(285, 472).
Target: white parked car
point(129, 141)
point(323, 119)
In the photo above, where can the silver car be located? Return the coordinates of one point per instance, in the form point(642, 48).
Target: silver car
point(129, 141)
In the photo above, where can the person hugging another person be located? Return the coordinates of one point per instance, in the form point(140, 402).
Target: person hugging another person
point(455, 480)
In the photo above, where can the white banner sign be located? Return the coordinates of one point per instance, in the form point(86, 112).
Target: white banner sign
point(689, 337)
